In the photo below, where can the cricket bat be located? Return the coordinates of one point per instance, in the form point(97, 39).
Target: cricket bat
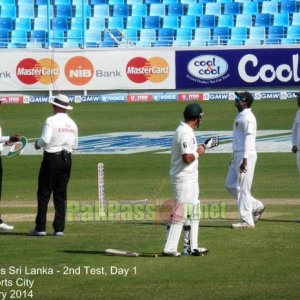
point(128, 253)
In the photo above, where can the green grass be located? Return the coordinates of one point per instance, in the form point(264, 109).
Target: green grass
point(248, 264)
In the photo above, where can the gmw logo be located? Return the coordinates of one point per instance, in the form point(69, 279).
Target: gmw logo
point(140, 69)
point(249, 64)
point(31, 71)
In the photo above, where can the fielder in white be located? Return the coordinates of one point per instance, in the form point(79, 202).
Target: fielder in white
point(241, 170)
point(184, 179)
point(296, 136)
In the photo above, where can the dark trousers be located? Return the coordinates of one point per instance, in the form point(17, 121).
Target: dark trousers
point(54, 176)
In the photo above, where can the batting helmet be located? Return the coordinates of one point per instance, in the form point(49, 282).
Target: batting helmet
point(246, 96)
point(192, 111)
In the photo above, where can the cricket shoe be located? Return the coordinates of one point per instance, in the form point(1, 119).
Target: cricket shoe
point(257, 213)
point(171, 254)
point(58, 233)
point(242, 225)
point(34, 232)
point(199, 252)
point(298, 220)
point(6, 228)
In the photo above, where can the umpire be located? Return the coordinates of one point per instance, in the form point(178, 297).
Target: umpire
point(59, 138)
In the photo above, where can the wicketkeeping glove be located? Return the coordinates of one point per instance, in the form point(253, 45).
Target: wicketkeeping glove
point(211, 142)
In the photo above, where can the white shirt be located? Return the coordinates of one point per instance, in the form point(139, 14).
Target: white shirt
point(244, 132)
point(296, 131)
point(59, 133)
point(3, 139)
point(184, 142)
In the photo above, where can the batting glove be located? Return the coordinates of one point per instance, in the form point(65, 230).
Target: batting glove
point(211, 142)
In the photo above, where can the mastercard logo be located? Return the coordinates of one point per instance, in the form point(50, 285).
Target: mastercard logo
point(79, 70)
point(31, 71)
point(140, 69)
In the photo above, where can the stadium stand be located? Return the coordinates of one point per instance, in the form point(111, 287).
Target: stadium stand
point(220, 22)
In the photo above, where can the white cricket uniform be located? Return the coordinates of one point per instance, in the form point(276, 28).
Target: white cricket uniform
point(3, 139)
point(237, 183)
point(184, 179)
point(59, 133)
point(296, 137)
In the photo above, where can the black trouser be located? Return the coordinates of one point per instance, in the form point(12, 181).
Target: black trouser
point(54, 176)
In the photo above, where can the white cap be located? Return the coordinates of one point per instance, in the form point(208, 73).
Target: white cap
point(61, 101)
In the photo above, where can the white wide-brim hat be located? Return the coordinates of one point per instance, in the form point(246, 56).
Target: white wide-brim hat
point(61, 101)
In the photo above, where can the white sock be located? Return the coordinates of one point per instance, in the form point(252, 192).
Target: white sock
point(194, 234)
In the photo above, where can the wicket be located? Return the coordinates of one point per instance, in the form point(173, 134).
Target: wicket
point(101, 192)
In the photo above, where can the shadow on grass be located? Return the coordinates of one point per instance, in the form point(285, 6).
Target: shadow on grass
point(101, 252)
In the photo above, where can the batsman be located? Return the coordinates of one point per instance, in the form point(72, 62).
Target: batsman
point(184, 178)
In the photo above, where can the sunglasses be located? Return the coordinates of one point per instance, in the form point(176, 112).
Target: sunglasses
point(239, 98)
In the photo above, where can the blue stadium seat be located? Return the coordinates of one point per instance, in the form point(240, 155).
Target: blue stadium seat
point(26, 11)
point(166, 34)
point(226, 20)
point(74, 35)
point(257, 33)
point(38, 36)
point(19, 37)
point(234, 42)
point(113, 2)
point(40, 23)
point(179, 43)
point(22, 2)
point(71, 44)
point(244, 20)
point(131, 2)
point(296, 18)
point(37, 45)
point(95, 2)
point(144, 44)
point(93, 38)
point(4, 2)
point(110, 38)
point(288, 6)
point(202, 36)
point(276, 32)
point(162, 43)
point(239, 33)
point(39, 2)
point(221, 35)
point(23, 23)
point(175, 9)
point(85, 12)
point(121, 10)
point(6, 24)
point(42, 11)
point(293, 32)
point(79, 2)
point(148, 35)
point(78, 23)
point(8, 11)
point(170, 1)
point(157, 9)
point(269, 7)
point(289, 41)
point(213, 8)
point(57, 37)
point(115, 23)
point(101, 10)
point(184, 34)
point(171, 22)
point(4, 38)
point(152, 22)
point(59, 23)
point(188, 22)
point(207, 21)
point(195, 9)
point(16, 45)
point(253, 42)
point(97, 23)
point(152, 1)
point(130, 35)
point(232, 8)
point(139, 10)
point(262, 20)
point(62, 2)
point(188, 1)
point(281, 19)
point(134, 22)
point(63, 11)
point(250, 7)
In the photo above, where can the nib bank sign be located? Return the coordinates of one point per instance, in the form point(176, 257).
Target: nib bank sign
point(238, 68)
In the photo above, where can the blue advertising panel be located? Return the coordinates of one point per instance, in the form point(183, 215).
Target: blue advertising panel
point(232, 68)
